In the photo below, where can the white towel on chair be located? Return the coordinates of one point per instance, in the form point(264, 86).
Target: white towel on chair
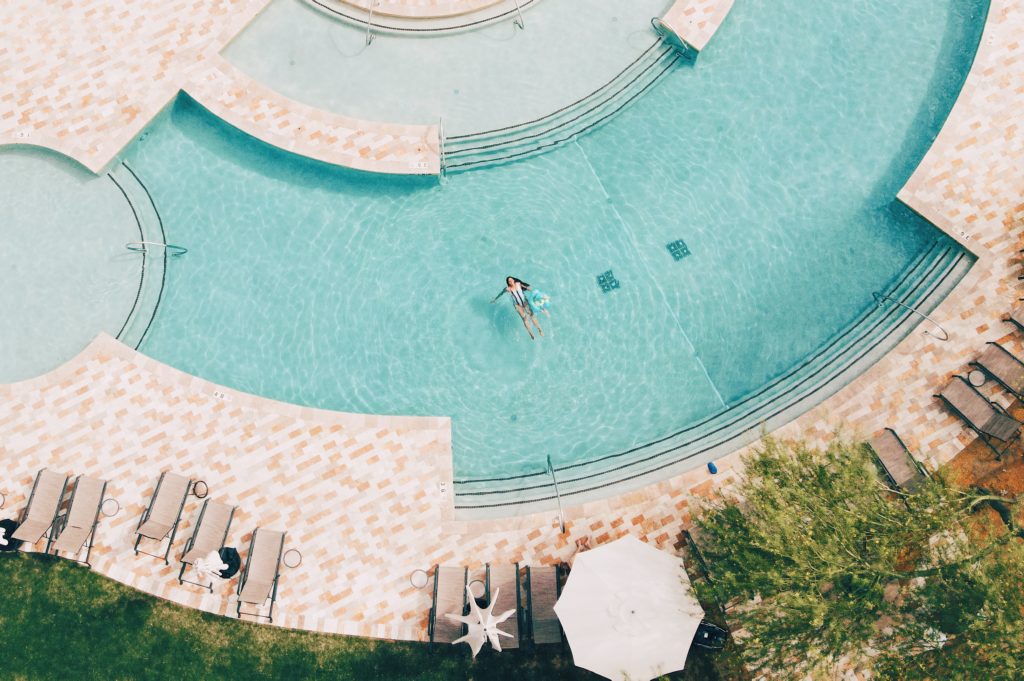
point(210, 565)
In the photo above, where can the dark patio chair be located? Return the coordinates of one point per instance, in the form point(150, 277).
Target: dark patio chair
point(989, 420)
point(543, 587)
point(899, 465)
point(449, 598)
point(1003, 367)
point(506, 578)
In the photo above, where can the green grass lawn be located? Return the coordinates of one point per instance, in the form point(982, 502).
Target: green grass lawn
point(59, 620)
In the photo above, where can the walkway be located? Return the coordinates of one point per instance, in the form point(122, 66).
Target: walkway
point(85, 78)
point(364, 497)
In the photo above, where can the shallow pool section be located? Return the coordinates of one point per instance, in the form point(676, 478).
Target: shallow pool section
point(66, 273)
point(477, 80)
point(775, 162)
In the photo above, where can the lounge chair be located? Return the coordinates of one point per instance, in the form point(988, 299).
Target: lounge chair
point(262, 570)
point(987, 419)
point(1016, 316)
point(1004, 367)
point(449, 598)
point(505, 580)
point(210, 535)
point(77, 527)
point(896, 461)
point(163, 513)
point(690, 537)
point(542, 590)
point(40, 514)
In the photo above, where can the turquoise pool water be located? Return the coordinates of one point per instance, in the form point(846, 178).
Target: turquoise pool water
point(66, 273)
point(776, 159)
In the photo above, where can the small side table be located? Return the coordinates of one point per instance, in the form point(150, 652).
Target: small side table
point(419, 578)
point(292, 558)
point(479, 591)
point(229, 556)
point(976, 378)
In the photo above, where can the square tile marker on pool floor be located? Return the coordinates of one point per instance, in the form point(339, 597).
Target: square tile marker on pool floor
point(607, 282)
point(677, 249)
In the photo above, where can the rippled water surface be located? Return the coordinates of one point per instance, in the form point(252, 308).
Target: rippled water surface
point(776, 159)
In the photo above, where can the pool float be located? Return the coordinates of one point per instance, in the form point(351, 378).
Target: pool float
point(539, 301)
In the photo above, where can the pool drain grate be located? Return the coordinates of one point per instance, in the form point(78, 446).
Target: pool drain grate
point(677, 249)
point(607, 282)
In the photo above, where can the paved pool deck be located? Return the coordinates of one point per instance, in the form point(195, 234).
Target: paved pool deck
point(366, 499)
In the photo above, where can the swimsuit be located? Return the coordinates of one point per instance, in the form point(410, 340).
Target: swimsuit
point(519, 300)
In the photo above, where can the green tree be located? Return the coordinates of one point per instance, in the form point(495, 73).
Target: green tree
point(818, 555)
point(979, 610)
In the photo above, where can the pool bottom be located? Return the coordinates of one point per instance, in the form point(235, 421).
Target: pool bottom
point(823, 374)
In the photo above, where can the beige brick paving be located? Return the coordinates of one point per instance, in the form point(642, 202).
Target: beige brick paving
point(85, 77)
point(275, 119)
point(363, 497)
point(696, 21)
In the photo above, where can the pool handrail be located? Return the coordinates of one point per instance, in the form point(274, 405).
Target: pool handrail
point(518, 21)
point(140, 247)
point(558, 496)
point(879, 297)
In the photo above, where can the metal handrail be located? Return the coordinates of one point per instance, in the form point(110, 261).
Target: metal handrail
point(369, 22)
point(519, 21)
point(879, 297)
point(558, 496)
point(140, 247)
point(440, 149)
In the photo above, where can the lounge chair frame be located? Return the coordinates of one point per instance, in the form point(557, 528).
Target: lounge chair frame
point(1010, 319)
point(529, 601)
point(986, 438)
point(62, 522)
point(432, 618)
point(885, 471)
point(48, 534)
point(519, 601)
point(191, 542)
point(174, 527)
point(997, 379)
point(245, 576)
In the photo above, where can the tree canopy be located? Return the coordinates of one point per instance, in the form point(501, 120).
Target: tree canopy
point(821, 560)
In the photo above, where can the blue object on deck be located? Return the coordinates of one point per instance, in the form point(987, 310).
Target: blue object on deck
point(712, 467)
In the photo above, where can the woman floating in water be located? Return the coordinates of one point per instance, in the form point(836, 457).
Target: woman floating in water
point(518, 289)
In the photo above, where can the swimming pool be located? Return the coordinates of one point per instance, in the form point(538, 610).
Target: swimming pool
point(776, 161)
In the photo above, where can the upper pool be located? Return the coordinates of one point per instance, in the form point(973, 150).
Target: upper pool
point(776, 160)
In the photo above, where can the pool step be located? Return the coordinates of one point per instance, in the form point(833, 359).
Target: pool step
point(154, 263)
point(501, 145)
point(837, 362)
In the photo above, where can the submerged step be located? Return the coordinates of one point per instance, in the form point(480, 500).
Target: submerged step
point(877, 330)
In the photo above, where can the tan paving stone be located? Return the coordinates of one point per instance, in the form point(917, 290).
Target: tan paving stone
point(367, 499)
point(696, 21)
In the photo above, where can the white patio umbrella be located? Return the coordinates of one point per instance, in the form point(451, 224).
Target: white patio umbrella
point(628, 611)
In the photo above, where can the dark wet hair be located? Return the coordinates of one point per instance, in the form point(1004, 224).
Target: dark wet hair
point(521, 282)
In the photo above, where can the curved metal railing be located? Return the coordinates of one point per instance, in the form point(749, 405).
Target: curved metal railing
point(141, 247)
point(881, 297)
point(561, 515)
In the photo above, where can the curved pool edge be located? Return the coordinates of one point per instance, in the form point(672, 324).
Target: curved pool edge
point(896, 391)
point(269, 116)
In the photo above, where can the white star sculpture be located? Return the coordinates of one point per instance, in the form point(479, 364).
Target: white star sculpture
point(481, 624)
